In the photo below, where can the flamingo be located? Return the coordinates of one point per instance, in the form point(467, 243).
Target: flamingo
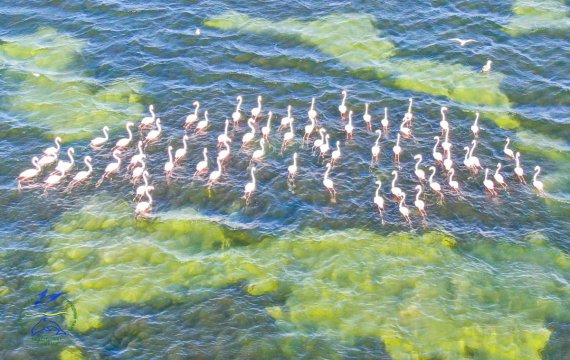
point(508, 151)
point(434, 185)
point(404, 209)
point(376, 148)
point(181, 153)
point(406, 131)
point(286, 120)
point(112, 167)
point(292, 169)
point(82, 175)
point(138, 171)
point(144, 207)
point(396, 191)
point(518, 169)
point(448, 163)
point(138, 157)
point(474, 159)
point(452, 183)
point(437, 156)
point(342, 107)
point(259, 153)
point(289, 136)
point(335, 154)
point(309, 129)
point(100, 141)
point(202, 165)
point(499, 178)
point(385, 121)
point(325, 146)
point(475, 126)
point(419, 172)
point(124, 142)
point(236, 115)
point(47, 160)
point(203, 124)
point(192, 118)
point(467, 159)
point(65, 166)
point(489, 184)
point(408, 116)
point(420, 204)
point(169, 165)
point(487, 67)
point(223, 137)
point(348, 127)
point(379, 201)
point(30, 174)
point(250, 186)
point(446, 145)
point(53, 180)
point(266, 130)
point(367, 118)
point(319, 142)
point(143, 188)
point(443, 123)
point(256, 111)
point(53, 151)
point(148, 120)
point(224, 154)
point(312, 112)
point(215, 175)
point(153, 135)
point(328, 183)
point(538, 185)
point(397, 149)
point(247, 137)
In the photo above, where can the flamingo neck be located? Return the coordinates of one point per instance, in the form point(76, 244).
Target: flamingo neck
point(418, 163)
point(105, 132)
point(431, 176)
point(145, 180)
point(70, 155)
point(57, 143)
point(394, 180)
point(295, 161)
point(313, 104)
point(250, 124)
point(196, 109)
point(129, 131)
point(398, 140)
point(418, 194)
point(507, 144)
point(378, 190)
point(472, 149)
point(451, 173)
point(517, 159)
point(226, 128)
point(219, 165)
point(343, 98)
point(536, 174)
point(158, 126)
point(327, 173)
point(149, 197)
point(239, 103)
point(269, 120)
point(35, 161)
point(185, 144)
point(170, 154)
point(322, 136)
point(366, 112)
point(378, 139)
point(205, 156)
point(253, 176)
point(498, 169)
point(486, 174)
point(89, 166)
point(476, 118)
point(151, 110)
point(291, 126)
point(466, 154)
point(140, 148)
point(402, 200)
point(259, 102)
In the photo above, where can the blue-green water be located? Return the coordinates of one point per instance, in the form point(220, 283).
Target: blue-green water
point(291, 275)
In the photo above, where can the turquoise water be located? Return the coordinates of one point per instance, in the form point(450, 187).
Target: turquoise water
point(292, 275)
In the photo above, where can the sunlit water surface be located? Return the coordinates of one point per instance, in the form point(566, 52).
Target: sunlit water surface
point(291, 275)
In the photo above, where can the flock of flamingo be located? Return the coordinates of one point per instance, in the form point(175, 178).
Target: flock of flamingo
point(151, 131)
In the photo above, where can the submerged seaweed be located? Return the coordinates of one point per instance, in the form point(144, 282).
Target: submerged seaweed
point(50, 92)
point(534, 15)
point(418, 294)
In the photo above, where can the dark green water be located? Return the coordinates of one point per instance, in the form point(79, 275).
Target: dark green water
point(291, 275)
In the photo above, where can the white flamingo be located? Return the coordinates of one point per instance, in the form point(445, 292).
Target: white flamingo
point(420, 204)
point(148, 121)
point(385, 121)
point(419, 172)
point(406, 131)
point(100, 141)
point(467, 159)
point(319, 142)
point(112, 168)
point(335, 154)
point(223, 137)
point(474, 159)
point(487, 67)
point(286, 120)
point(396, 191)
point(215, 175)
point(443, 123)
point(169, 165)
point(266, 130)
point(508, 151)
point(538, 185)
point(499, 178)
point(379, 200)
point(342, 107)
point(144, 207)
point(325, 146)
point(256, 111)
point(192, 118)
point(309, 129)
point(153, 135)
point(124, 142)
point(225, 153)
point(138, 157)
point(348, 127)
point(475, 127)
point(328, 183)
point(367, 118)
point(82, 175)
point(47, 160)
point(448, 163)
point(452, 183)
point(434, 185)
point(202, 165)
point(289, 136)
point(138, 172)
point(437, 156)
point(312, 112)
point(397, 149)
point(489, 184)
point(404, 210)
point(53, 151)
point(143, 188)
point(30, 174)
point(376, 148)
point(446, 145)
point(250, 186)
point(409, 116)
point(236, 115)
point(292, 169)
point(247, 137)
point(518, 169)
point(203, 124)
point(259, 153)
point(66, 166)
point(181, 153)
point(53, 180)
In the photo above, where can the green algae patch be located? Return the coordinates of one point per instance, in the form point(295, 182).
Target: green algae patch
point(354, 40)
point(536, 15)
point(71, 353)
point(49, 90)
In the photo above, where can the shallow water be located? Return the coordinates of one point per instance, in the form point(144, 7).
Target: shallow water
point(291, 275)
